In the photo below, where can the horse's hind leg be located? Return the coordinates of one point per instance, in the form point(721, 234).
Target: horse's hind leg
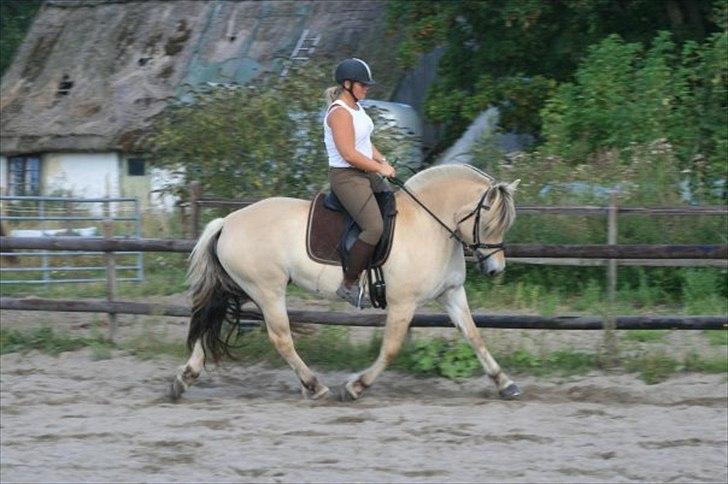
point(188, 373)
point(279, 332)
point(456, 305)
point(395, 330)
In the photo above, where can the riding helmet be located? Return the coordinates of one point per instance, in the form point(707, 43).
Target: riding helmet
point(353, 70)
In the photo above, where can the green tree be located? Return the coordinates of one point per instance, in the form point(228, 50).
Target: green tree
point(257, 141)
point(624, 95)
point(512, 53)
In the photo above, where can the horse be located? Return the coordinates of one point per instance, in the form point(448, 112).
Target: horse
point(254, 253)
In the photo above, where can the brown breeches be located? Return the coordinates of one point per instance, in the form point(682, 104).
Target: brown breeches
point(355, 189)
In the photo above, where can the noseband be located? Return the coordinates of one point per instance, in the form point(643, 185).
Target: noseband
point(477, 244)
point(476, 232)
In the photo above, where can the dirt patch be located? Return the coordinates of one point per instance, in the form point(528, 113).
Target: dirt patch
point(69, 418)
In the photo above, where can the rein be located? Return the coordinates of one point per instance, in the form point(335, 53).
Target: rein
point(476, 226)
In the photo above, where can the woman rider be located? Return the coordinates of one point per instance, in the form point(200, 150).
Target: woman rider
point(356, 166)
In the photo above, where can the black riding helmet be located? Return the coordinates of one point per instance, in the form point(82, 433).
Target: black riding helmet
point(353, 70)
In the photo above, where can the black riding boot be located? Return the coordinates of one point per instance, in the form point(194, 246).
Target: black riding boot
point(359, 257)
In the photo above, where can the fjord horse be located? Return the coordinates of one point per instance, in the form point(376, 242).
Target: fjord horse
point(253, 253)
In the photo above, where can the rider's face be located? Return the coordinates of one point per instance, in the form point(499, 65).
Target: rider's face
point(360, 90)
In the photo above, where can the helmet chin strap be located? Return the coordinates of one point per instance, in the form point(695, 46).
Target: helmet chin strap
point(350, 90)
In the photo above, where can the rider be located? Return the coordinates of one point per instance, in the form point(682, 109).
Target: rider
point(356, 166)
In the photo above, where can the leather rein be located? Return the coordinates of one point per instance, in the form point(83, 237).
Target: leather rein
point(476, 226)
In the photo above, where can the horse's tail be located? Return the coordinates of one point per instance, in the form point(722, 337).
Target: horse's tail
point(215, 296)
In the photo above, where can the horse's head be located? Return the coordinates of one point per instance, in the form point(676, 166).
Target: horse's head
point(484, 222)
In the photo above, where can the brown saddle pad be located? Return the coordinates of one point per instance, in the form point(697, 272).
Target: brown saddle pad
point(325, 230)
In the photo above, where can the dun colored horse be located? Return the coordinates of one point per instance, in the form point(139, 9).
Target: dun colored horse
point(253, 253)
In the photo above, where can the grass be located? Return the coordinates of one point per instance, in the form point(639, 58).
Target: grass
point(45, 340)
point(646, 335)
point(717, 337)
point(331, 349)
point(164, 275)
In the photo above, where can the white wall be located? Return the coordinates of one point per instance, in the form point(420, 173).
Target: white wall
point(3, 175)
point(87, 175)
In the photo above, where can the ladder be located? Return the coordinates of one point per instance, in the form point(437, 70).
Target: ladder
point(304, 48)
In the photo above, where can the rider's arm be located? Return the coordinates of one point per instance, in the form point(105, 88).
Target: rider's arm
point(342, 128)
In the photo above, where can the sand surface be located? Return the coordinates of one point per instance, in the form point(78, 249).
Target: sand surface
point(72, 419)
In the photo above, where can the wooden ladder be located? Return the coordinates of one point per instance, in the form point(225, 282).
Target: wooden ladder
point(303, 50)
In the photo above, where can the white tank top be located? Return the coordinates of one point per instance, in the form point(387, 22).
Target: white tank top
point(363, 127)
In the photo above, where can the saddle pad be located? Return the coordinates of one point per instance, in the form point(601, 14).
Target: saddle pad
point(324, 231)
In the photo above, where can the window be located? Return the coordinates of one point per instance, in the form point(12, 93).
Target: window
point(24, 175)
point(64, 87)
point(135, 167)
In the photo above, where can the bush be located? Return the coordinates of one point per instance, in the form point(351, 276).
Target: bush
point(624, 95)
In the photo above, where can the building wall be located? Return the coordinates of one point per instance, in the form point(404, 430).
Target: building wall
point(87, 175)
point(134, 185)
point(3, 175)
point(146, 188)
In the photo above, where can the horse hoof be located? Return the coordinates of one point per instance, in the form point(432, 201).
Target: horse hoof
point(510, 392)
point(321, 392)
point(345, 395)
point(176, 389)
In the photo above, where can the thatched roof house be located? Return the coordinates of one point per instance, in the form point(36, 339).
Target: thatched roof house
point(92, 72)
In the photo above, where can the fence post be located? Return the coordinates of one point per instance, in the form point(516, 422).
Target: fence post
point(108, 227)
point(44, 257)
point(612, 240)
point(610, 325)
point(195, 191)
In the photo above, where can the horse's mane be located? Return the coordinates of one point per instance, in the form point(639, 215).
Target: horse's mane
point(446, 173)
point(500, 196)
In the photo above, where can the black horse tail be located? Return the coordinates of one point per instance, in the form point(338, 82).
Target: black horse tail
point(216, 298)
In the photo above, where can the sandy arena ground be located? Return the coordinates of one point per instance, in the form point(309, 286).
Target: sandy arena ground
point(72, 419)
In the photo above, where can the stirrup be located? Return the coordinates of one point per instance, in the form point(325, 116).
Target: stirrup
point(354, 295)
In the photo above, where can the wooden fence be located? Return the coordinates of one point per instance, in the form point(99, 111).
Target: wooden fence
point(113, 307)
point(254, 317)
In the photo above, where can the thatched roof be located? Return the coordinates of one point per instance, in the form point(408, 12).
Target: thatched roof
point(92, 73)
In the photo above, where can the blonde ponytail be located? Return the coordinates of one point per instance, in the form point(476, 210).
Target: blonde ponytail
point(331, 94)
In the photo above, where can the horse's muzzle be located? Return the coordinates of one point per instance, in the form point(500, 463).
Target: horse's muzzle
point(488, 266)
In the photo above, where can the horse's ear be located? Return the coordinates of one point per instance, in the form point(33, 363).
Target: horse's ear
point(512, 186)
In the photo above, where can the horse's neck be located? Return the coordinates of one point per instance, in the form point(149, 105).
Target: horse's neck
point(444, 199)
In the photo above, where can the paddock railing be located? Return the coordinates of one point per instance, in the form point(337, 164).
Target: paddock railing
point(113, 307)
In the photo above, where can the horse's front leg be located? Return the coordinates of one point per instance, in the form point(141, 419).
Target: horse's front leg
point(456, 304)
point(398, 320)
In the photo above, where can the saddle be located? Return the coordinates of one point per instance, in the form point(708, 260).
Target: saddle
point(331, 232)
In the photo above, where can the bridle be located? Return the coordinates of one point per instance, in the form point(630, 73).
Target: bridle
point(477, 244)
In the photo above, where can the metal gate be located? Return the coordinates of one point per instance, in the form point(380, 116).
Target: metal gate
point(38, 216)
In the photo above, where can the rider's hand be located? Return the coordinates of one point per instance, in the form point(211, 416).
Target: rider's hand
point(387, 170)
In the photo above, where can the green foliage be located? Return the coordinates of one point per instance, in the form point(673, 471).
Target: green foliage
point(646, 335)
point(699, 291)
point(562, 362)
point(44, 339)
point(653, 367)
point(623, 95)
point(717, 337)
point(511, 54)
point(258, 141)
point(646, 175)
point(250, 142)
point(694, 362)
point(149, 345)
point(16, 18)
